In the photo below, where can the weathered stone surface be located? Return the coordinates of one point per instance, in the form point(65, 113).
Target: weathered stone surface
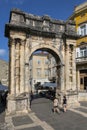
point(4, 72)
point(44, 25)
point(28, 33)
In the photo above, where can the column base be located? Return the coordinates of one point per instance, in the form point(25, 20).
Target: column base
point(18, 104)
point(72, 99)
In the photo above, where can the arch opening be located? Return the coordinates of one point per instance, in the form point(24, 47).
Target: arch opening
point(45, 72)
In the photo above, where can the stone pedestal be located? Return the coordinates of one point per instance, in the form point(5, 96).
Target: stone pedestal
point(72, 99)
point(19, 104)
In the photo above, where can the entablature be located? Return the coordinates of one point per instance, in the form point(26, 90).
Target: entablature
point(32, 24)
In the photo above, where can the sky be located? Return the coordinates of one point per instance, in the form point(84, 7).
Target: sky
point(57, 9)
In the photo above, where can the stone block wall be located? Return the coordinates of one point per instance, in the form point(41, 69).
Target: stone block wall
point(4, 72)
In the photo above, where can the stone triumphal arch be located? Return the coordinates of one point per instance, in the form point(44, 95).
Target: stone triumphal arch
point(28, 33)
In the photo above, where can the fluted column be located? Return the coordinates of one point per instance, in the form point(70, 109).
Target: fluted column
point(63, 87)
point(67, 67)
point(22, 65)
point(12, 67)
point(58, 78)
point(78, 79)
point(74, 68)
point(62, 78)
point(17, 69)
point(26, 68)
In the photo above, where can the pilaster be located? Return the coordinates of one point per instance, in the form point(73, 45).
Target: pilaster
point(63, 89)
point(26, 68)
point(78, 79)
point(67, 67)
point(22, 66)
point(12, 66)
point(74, 69)
point(17, 67)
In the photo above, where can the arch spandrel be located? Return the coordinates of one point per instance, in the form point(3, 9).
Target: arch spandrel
point(49, 49)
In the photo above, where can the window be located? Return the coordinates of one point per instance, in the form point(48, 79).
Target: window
point(38, 72)
point(46, 72)
point(38, 62)
point(77, 54)
point(82, 30)
point(46, 61)
point(83, 52)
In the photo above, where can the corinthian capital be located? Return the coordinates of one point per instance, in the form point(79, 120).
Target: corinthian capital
point(23, 42)
point(11, 41)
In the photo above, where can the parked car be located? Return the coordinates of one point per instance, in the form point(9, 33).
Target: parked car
point(50, 94)
point(43, 93)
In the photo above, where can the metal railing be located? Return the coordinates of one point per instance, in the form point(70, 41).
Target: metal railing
point(81, 59)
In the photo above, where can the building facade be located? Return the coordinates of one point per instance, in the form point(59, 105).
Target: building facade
point(52, 69)
point(38, 69)
point(80, 18)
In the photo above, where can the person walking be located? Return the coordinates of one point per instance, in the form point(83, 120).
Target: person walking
point(64, 103)
point(56, 105)
point(31, 97)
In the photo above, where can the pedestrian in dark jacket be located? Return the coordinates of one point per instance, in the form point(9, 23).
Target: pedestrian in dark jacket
point(31, 97)
point(64, 103)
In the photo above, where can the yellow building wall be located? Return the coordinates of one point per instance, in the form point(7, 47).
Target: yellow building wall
point(80, 18)
point(41, 66)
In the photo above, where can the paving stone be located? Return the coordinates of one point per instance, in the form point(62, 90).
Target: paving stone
point(84, 103)
point(81, 109)
point(21, 120)
point(65, 121)
point(33, 128)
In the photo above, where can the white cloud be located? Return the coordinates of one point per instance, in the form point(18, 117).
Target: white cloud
point(2, 52)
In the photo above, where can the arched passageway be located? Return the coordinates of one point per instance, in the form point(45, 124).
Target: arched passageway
point(58, 62)
point(54, 66)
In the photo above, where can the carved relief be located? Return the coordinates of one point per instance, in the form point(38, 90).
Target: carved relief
point(21, 104)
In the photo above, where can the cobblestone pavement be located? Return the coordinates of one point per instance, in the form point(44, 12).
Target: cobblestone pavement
point(42, 118)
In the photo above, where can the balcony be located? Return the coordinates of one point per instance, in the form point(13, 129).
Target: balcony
point(81, 60)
